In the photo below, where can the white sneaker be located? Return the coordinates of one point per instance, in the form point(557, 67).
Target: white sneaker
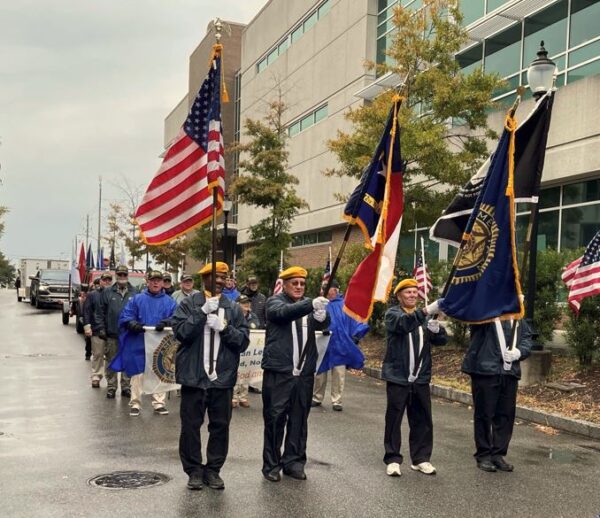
point(424, 467)
point(393, 469)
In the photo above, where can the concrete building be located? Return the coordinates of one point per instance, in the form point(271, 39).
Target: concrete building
point(314, 52)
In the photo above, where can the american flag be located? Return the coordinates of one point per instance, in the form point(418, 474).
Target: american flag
point(582, 276)
point(278, 288)
point(421, 275)
point(179, 197)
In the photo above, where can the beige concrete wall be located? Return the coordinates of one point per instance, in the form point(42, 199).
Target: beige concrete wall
point(175, 120)
point(325, 65)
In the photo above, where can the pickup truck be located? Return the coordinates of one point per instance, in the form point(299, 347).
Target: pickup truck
point(49, 287)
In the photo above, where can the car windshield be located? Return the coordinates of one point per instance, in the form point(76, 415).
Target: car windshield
point(54, 276)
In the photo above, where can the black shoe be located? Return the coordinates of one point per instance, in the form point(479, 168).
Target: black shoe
point(126, 393)
point(298, 474)
point(486, 465)
point(255, 390)
point(110, 394)
point(88, 358)
point(314, 403)
point(273, 476)
point(502, 465)
point(337, 407)
point(195, 482)
point(213, 480)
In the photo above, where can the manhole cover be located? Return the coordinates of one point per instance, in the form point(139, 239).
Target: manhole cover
point(129, 480)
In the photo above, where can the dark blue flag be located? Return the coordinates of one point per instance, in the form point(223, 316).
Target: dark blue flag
point(486, 283)
point(90, 259)
point(366, 202)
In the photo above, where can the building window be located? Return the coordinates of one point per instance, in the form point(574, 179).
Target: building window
point(470, 59)
point(294, 35)
point(579, 225)
point(584, 71)
point(312, 238)
point(550, 26)
point(584, 21)
point(308, 120)
point(472, 10)
point(503, 52)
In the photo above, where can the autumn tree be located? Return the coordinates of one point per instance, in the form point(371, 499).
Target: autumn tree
point(267, 185)
point(440, 156)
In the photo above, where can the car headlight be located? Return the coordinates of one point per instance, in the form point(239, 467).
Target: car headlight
point(44, 287)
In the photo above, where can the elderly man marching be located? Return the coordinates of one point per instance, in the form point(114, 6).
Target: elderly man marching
point(289, 363)
point(207, 383)
point(407, 371)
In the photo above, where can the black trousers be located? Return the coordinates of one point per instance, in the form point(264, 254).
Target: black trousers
point(195, 403)
point(286, 405)
point(88, 346)
point(494, 404)
point(416, 400)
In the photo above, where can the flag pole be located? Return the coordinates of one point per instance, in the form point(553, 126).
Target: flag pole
point(414, 207)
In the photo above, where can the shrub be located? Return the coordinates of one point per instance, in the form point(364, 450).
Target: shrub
point(583, 331)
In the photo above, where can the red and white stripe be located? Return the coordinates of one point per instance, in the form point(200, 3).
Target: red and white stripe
point(278, 288)
point(584, 283)
point(179, 197)
point(569, 272)
point(425, 286)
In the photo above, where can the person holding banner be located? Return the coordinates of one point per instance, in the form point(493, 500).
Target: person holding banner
point(289, 363)
point(494, 367)
point(152, 307)
point(407, 371)
point(213, 333)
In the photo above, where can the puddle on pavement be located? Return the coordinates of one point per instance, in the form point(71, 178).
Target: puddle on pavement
point(560, 455)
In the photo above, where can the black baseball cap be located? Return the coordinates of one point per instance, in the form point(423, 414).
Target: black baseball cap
point(155, 274)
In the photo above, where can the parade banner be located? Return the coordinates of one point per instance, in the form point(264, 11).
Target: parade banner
point(159, 375)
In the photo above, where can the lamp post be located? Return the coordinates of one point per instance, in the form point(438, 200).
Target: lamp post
point(540, 76)
point(227, 205)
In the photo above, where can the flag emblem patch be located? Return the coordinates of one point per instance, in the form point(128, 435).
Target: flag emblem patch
point(163, 361)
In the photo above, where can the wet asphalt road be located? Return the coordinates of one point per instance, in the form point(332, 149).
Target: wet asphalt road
point(56, 433)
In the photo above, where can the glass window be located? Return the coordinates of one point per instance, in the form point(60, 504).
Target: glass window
point(321, 113)
point(494, 4)
point(509, 85)
point(549, 26)
point(307, 122)
point(296, 240)
point(384, 4)
point(385, 26)
point(294, 129)
point(310, 21)
point(272, 56)
point(470, 59)
point(283, 46)
point(324, 236)
point(297, 33)
point(261, 66)
point(548, 230)
point(584, 21)
point(549, 197)
point(471, 10)
point(503, 52)
point(579, 226)
point(581, 192)
point(324, 9)
point(584, 53)
point(310, 239)
point(590, 69)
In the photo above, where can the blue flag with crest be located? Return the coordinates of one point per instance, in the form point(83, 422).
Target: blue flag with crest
point(486, 283)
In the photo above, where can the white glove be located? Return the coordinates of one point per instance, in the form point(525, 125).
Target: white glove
point(320, 303)
point(434, 326)
point(433, 308)
point(511, 355)
point(320, 315)
point(522, 298)
point(214, 322)
point(211, 305)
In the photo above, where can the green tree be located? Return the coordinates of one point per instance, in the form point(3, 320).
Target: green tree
point(171, 255)
point(439, 159)
point(7, 271)
point(200, 243)
point(267, 185)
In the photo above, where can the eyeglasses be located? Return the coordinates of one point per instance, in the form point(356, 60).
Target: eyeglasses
point(121, 275)
point(298, 283)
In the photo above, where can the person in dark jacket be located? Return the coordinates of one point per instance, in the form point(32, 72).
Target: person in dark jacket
point(257, 300)
point(109, 309)
point(494, 367)
point(207, 383)
point(289, 363)
point(91, 329)
point(168, 287)
point(79, 309)
point(240, 391)
point(407, 371)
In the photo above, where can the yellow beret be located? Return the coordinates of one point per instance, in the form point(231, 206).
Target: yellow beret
point(406, 283)
point(293, 272)
point(207, 268)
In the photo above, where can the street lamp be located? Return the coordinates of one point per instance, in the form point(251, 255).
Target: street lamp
point(227, 206)
point(540, 76)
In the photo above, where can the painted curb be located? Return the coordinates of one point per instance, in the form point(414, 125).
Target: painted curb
point(575, 426)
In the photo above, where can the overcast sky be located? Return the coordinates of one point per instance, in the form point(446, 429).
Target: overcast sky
point(85, 87)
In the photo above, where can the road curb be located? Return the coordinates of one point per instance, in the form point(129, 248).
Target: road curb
point(575, 426)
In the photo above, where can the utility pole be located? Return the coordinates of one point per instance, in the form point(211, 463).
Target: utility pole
point(99, 219)
point(87, 231)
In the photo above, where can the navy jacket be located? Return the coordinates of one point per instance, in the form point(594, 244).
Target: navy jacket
point(398, 325)
point(484, 356)
point(188, 326)
point(278, 354)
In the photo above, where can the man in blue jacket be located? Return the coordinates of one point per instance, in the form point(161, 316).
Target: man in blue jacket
point(152, 307)
point(494, 367)
point(207, 383)
point(407, 371)
point(342, 351)
point(289, 362)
